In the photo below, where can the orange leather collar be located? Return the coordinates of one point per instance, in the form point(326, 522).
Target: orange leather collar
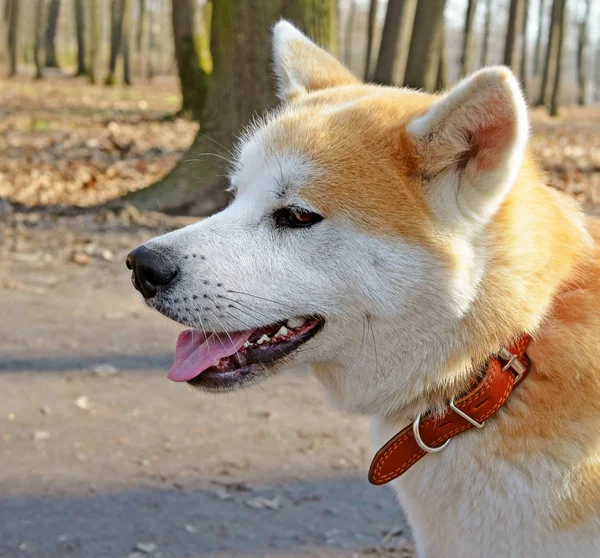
point(431, 434)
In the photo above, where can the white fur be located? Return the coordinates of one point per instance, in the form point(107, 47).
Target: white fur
point(289, 82)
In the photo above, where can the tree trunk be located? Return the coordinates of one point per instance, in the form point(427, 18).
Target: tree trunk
point(370, 36)
point(117, 11)
point(126, 21)
point(512, 51)
point(80, 31)
point(538, 43)
point(424, 53)
point(551, 52)
point(349, 32)
point(241, 86)
point(582, 57)
point(486, 34)
point(192, 78)
point(523, 66)
point(52, 26)
point(395, 42)
point(38, 31)
point(96, 15)
point(442, 80)
point(467, 48)
point(140, 27)
point(151, 44)
point(13, 35)
point(559, 51)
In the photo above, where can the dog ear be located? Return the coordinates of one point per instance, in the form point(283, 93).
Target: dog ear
point(472, 142)
point(301, 66)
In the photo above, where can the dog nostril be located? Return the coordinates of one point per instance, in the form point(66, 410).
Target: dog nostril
point(128, 263)
point(151, 270)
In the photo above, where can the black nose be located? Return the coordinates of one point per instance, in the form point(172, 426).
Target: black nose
point(150, 270)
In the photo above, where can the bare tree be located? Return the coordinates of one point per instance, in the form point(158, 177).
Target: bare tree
point(524, 49)
point(558, 63)
point(370, 36)
point(120, 22)
point(538, 43)
point(550, 63)
point(38, 32)
point(51, 28)
point(240, 87)
point(126, 36)
point(349, 32)
point(486, 34)
point(512, 53)
point(96, 15)
point(424, 54)
point(80, 32)
point(466, 61)
point(192, 78)
point(442, 80)
point(582, 54)
point(395, 42)
point(13, 34)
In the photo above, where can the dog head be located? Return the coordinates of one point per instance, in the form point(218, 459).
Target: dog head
point(354, 240)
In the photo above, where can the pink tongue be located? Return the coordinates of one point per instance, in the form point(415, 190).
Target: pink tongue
point(195, 352)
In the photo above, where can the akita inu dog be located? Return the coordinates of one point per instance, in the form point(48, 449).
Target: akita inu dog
point(407, 242)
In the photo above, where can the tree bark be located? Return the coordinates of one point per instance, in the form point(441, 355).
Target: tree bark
point(523, 66)
point(424, 53)
point(96, 14)
point(395, 42)
point(349, 32)
point(467, 48)
point(38, 31)
point(117, 11)
point(80, 31)
point(486, 34)
point(582, 56)
point(442, 80)
point(538, 43)
point(52, 27)
point(513, 33)
point(13, 35)
point(559, 50)
point(126, 40)
point(551, 52)
point(241, 86)
point(192, 78)
point(370, 37)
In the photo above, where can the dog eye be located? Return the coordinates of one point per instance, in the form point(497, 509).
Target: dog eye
point(295, 217)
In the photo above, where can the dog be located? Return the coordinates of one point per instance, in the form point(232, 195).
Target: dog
point(398, 242)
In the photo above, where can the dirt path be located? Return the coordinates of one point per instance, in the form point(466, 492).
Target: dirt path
point(103, 457)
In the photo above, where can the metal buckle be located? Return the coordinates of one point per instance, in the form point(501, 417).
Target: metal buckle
point(465, 416)
point(420, 441)
point(513, 363)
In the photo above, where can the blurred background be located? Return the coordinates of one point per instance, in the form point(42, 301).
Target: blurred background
point(118, 118)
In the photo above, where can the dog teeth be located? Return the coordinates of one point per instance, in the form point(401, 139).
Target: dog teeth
point(217, 362)
point(294, 323)
point(264, 339)
point(247, 344)
point(283, 331)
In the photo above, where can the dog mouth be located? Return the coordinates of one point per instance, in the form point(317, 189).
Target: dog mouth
point(224, 360)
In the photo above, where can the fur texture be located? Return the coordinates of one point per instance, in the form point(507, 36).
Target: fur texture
point(439, 244)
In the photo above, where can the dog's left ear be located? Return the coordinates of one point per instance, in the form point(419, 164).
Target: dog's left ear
point(301, 66)
point(471, 143)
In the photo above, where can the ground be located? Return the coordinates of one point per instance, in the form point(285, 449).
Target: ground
point(102, 456)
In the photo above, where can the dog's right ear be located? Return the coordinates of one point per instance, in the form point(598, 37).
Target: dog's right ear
point(301, 66)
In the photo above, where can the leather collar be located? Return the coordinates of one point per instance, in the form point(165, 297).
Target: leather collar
point(504, 372)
